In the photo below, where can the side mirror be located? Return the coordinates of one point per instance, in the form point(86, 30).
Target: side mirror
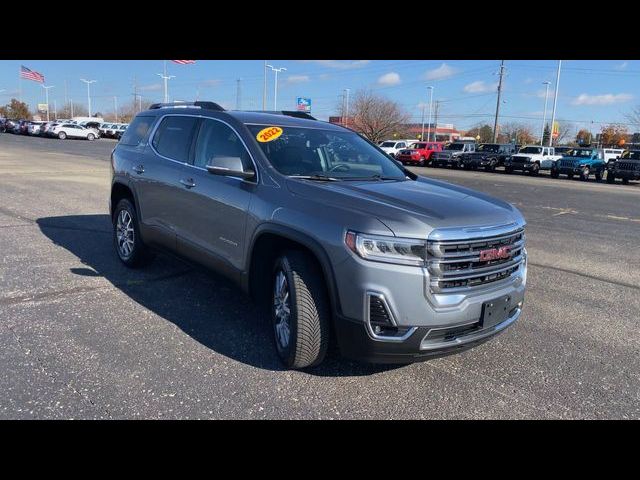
point(229, 167)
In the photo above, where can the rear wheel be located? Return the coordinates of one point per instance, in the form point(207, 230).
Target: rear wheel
point(299, 310)
point(508, 169)
point(62, 135)
point(625, 181)
point(598, 176)
point(584, 174)
point(91, 137)
point(126, 236)
point(554, 174)
point(535, 169)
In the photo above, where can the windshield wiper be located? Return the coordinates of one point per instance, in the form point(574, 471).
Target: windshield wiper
point(316, 177)
point(376, 177)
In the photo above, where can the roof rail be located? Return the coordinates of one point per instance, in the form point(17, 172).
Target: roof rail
point(203, 105)
point(288, 113)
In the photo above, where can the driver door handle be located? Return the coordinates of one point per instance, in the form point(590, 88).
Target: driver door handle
point(139, 169)
point(188, 182)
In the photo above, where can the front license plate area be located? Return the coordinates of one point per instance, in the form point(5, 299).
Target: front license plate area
point(495, 311)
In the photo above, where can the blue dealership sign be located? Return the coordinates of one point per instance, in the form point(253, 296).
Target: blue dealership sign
point(304, 104)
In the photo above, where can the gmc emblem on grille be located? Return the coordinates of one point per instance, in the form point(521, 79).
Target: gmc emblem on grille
point(495, 254)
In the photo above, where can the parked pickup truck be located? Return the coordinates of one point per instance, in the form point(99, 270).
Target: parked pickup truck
point(581, 161)
point(532, 159)
point(488, 156)
point(419, 153)
point(330, 236)
point(451, 154)
point(626, 168)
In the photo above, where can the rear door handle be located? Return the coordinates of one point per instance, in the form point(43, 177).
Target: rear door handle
point(188, 182)
point(139, 169)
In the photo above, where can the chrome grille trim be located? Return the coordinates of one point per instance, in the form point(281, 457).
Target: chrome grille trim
point(455, 266)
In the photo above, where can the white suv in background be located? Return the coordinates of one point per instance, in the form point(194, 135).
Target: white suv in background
point(73, 131)
point(392, 147)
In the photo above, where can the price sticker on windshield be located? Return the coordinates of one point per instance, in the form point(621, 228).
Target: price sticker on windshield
point(269, 134)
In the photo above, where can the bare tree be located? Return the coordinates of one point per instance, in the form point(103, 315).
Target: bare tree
point(78, 111)
point(375, 116)
point(521, 133)
point(564, 130)
point(634, 116)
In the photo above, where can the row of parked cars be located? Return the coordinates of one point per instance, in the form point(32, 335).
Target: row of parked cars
point(63, 129)
point(583, 162)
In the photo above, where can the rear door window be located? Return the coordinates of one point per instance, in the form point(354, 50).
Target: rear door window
point(173, 137)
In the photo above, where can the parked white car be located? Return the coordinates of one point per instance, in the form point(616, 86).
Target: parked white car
point(392, 147)
point(69, 130)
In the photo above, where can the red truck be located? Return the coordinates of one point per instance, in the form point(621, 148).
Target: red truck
point(419, 153)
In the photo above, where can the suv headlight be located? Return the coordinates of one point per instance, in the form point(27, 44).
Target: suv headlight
point(381, 248)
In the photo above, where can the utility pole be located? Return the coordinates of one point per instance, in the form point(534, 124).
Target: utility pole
point(346, 113)
point(46, 89)
point(88, 82)
point(544, 115)
point(264, 91)
point(555, 101)
point(275, 86)
point(430, 108)
point(495, 123)
point(238, 95)
point(71, 102)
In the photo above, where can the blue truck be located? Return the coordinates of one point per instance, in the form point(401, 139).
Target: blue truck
point(582, 162)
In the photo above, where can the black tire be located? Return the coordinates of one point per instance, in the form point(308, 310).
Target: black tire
point(584, 174)
point(91, 137)
point(62, 135)
point(611, 178)
point(309, 316)
point(140, 254)
point(535, 169)
point(598, 176)
point(554, 173)
point(569, 176)
point(625, 181)
point(421, 162)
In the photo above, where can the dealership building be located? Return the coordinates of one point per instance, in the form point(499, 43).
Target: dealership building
point(444, 132)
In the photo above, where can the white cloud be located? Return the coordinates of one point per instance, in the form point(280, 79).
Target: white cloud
point(297, 79)
point(622, 66)
point(154, 87)
point(340, 64)
point(480, 87)
point(440, 73)
point(605, 99)
point(388, 79)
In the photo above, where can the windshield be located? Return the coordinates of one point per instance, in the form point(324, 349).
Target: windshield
point(631, 155)
point(455, 146)
point(488, 147)
point(530, 150)
point(418, 146)
point(579, 152)
point(326, 153)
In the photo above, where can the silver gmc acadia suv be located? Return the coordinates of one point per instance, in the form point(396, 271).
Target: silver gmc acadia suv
point(326, 232)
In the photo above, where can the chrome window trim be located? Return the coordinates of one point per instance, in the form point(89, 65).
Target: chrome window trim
point(203, 117)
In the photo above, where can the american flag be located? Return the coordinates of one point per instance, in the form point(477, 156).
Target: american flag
point(184, 62)
point(31, 75)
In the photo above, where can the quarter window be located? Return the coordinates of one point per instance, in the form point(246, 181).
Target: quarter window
point(173, 137)
point(138, 131)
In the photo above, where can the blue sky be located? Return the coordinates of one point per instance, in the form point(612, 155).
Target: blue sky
point(590, 91)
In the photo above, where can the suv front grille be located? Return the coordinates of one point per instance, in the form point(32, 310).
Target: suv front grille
point(631, 166)
point(567, 163)
point(458, 265)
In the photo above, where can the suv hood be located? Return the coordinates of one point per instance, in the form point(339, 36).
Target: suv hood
point(410, 208)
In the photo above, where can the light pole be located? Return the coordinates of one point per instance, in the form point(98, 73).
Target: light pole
point(555, 101)
point(275, 86)
point(430, 109)
point(46, 89)
point(88, 82)
point(544, 115)
point(346, 110)
point(166, 78)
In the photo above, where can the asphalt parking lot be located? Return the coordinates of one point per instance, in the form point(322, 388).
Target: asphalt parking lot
point(83, 337)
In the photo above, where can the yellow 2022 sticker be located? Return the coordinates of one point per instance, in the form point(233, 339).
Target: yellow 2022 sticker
point(268, 134)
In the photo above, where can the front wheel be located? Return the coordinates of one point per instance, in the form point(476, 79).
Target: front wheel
point(554, 174)
point(611, 178)
point(584, 174)
point(598, 176)
point(91, 137)
point(299, 310)
point(508, 169)
point(62, 135)
point(535, 169)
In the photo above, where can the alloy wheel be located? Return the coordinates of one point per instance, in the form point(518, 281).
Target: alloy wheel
point(125, 234)
point(282, 309)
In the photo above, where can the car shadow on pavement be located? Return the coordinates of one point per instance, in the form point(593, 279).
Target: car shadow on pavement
point(207, 307)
